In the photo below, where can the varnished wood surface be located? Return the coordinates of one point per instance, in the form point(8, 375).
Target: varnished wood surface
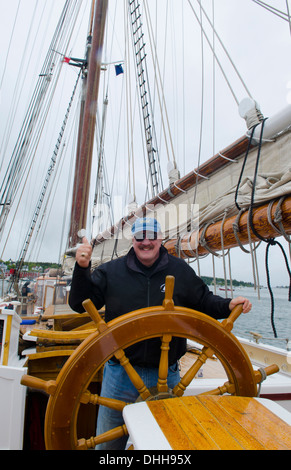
point(70, 387)
point(213, 232)
point(225, 423)
point(86, 134)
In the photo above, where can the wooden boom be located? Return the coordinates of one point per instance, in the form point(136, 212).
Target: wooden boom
point(190, 245)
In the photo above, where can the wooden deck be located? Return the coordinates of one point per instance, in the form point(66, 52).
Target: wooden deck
point(212, 369)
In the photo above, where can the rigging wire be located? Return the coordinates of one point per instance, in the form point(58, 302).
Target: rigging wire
point(154, 59)
point(275, 11)
point(271, 241)
point(214, 53)
point(29, 130)
point(142, 82)
point(24, 181)
point(18, 88)
point(28, 164)
point(225, 51)
point(18, 91)
point(102, 181)
point(131, 162)
point(288, 13)
point(202, 103)
point(49, 173)
point(116, 150)
point(10, 42)
point(183, 88)
point(159, 83)
point(103, 187)
point(41, 229)
point(213, 82)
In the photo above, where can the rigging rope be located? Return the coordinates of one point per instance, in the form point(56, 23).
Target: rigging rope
point(243, 166)
point(213, 83)
point(21, 258)
point(8, 50)
point(202, 103)
point(214, 53)
point(202, 109)
point(17, 90)
point(130, 117)
point(275, 11)
point(288, 13)
point(145, 96)
point(271, 241)
point(157, 74)
point(34, 120)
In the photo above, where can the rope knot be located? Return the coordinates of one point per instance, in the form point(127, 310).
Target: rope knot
point(278, 217)
point(272, 241)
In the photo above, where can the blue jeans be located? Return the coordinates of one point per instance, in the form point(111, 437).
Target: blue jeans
point(116, 384)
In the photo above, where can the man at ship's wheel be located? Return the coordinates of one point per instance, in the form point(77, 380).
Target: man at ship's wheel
point(135, 281)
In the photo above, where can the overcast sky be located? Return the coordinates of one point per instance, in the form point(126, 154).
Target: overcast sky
point(258, 42)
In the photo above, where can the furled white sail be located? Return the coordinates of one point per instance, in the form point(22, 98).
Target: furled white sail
point(210, 198)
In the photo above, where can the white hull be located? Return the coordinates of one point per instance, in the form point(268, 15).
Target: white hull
point(12, 407)
point(13, 394)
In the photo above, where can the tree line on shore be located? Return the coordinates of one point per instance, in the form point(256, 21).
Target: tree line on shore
point(221, 282)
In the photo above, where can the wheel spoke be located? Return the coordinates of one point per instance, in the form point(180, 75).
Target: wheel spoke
point(168, 303)
point(95, 316)
point(228, 322)
point(95, 399)
point(133, 375)
point(116, 433)
point(162, 385)
point(227, 387)
point(190, 374)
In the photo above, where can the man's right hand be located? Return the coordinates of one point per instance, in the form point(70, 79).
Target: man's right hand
point(84, 253)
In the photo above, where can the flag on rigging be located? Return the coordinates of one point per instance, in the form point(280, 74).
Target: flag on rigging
point(118, 69)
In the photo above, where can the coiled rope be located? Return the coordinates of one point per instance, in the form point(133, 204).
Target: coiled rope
point(271, 241)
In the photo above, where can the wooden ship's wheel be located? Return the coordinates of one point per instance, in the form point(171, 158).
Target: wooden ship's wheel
point(70, 389)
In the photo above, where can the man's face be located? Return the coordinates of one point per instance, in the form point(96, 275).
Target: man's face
point(147, 248)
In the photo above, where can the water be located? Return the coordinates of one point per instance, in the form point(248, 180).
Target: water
point(259, 318)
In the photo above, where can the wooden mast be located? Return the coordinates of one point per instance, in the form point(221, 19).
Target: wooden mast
point(87, 128)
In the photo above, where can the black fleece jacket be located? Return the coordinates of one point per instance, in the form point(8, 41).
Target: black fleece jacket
point(124, 285)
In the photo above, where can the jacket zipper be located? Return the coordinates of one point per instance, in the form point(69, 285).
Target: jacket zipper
point(145, 355)
point(148, 291)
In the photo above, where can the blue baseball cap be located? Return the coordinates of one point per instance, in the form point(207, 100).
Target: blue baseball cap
point(146, 224)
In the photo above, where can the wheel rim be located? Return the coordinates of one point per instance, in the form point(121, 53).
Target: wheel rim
point(79, 370)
